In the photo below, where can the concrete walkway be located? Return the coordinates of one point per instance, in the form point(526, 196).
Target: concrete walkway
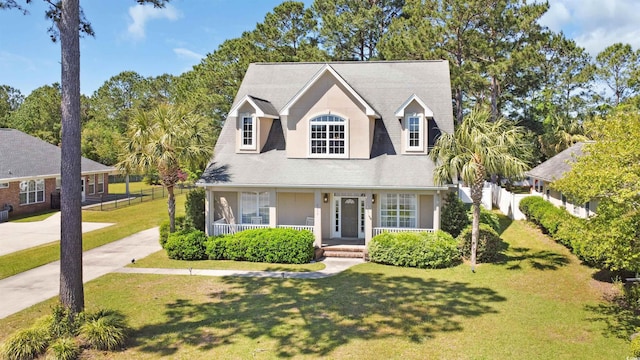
point(34, 286)
point(16, 236)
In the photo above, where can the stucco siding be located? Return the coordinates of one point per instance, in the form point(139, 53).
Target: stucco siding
point(426, 211)
point(294, 208)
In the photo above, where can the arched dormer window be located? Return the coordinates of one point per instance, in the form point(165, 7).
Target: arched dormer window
point(328, 136)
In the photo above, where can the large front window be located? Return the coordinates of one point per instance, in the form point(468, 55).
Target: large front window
point(31, 192)
point(398, 210)
point(255, 207)
point(248, 132)
point(328, 136)
point(91, 184)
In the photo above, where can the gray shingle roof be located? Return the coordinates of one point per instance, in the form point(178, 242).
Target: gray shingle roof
point(24, 156)
point(383, 85)
point(557, 166)
point(266, 106)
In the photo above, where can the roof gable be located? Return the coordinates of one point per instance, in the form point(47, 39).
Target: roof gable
point(427, 111)
point(369, 111)
point(555, 167)
point(263, 108)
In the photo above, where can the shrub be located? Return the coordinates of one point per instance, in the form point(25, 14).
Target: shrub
point(27, 343)
point(164, 229)
point(64, 348)
point(187, 245)
point(486, 217)
point(105, 330)
point(194, 209)
point(285, 246)
point(454, 215)
point(543, 213)
point(635, 347)
point(489, 244)
point(421, 250)
point(62, 322)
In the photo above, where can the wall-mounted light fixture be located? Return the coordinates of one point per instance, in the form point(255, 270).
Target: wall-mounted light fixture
point(325, 198)
point(373, 198)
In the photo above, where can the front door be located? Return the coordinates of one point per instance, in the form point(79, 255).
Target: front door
point(349, 217)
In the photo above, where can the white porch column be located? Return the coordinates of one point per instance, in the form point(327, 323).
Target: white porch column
point(436, 211)
point(273, 208)
point(317, 218)
point(368, 218)
point(209, 211)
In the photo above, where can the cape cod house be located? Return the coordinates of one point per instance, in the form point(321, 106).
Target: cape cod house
point(30, 174)
point(336, 148)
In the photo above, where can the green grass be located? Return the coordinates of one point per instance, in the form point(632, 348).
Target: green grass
point(128, 220)
point(538, 302)
point(32, 218)
point(121, 188)
point(160, 260)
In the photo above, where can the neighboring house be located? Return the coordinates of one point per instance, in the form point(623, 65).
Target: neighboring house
point(337, 148)
point(30, 174)
point(553, 169)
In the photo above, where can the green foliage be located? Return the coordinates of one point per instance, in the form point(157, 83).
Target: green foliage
point(39, 115)
point(454, 215)
point(63, 322)
point(27, 344)
point(284, 246)
point(164, 229)
point(194, 209)
point(421, 250)
point(64, 348)
point(489, 243)
point(105, 330)
point(186, 245)
point(634, 347)
point(486, 217)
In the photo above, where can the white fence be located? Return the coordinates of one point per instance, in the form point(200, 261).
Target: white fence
point(380, 230)
point(464, 193)
point(225, 229)
point(508, 202)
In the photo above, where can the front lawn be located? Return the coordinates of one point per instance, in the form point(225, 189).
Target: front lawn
point(539, 302)
point(127, 221)
point(161, 260)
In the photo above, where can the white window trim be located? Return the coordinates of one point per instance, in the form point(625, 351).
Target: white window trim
point(36, 182)
point(420, 146)
point(91, 184)
point(4, 185)
point(257, 194)
point(100, 183)
point(254, 125)
point(346, 138)
point(417, 212)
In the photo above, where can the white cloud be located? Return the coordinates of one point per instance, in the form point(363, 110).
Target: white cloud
point(187, 54)
point(595, 24)
point(141, 14)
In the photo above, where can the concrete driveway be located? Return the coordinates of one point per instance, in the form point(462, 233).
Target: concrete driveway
point(18, 236)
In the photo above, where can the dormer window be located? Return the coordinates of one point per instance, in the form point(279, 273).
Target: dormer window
point(415, 139)
point(328, 136)
point(248, 133)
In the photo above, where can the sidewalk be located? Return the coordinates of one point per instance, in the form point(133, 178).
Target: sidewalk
point(34, 286)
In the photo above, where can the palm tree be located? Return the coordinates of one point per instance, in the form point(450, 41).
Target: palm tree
point(477, 149)
point(166, 139)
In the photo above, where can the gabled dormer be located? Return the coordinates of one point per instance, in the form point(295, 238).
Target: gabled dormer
point(327, 118)
point(254, 117)
point(414, 117)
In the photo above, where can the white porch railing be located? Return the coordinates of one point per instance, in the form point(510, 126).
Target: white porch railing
point(380, 230)
point(297, 227)
point(225, 229)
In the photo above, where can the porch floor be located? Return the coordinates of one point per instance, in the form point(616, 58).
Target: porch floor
point(342, 241)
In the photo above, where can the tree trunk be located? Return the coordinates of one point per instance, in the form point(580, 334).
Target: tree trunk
point(459, 113)
point(171, 203)
point(71, 287)
point(476, 198)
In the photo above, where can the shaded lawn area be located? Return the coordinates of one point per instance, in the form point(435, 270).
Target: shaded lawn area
point(539, 302)
point(161, 260)
point(127, 221)
point(121, 188)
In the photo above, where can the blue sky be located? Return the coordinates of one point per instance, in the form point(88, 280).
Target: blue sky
point(172, 40)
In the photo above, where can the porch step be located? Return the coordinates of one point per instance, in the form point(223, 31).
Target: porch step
point(356, 252)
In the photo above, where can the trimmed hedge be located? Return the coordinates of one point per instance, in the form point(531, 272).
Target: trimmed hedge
point(164, 229)
point(544, 213)
point(271, 245)
point(489, 244)
point(487, 217)
point(421, 250)
point(187, 245)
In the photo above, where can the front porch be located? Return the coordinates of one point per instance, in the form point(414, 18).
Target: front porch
point(335, 217)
